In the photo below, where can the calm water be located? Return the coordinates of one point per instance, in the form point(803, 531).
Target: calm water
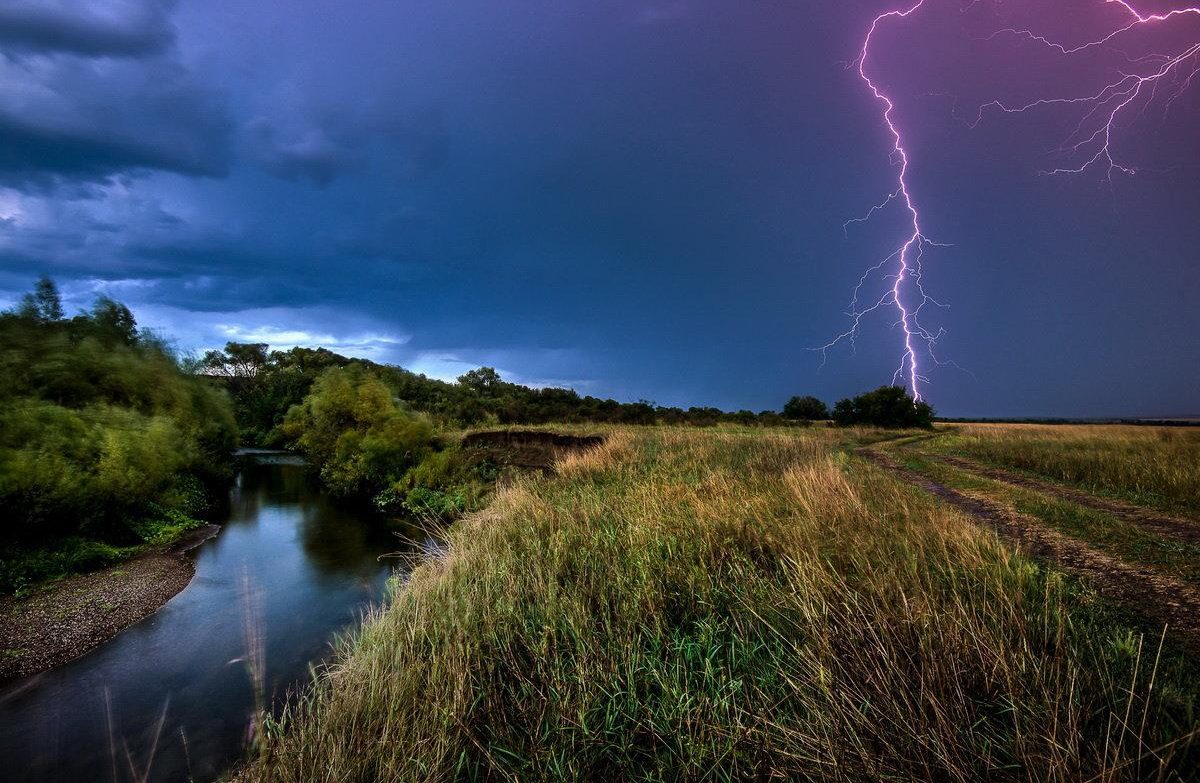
point(287, 564)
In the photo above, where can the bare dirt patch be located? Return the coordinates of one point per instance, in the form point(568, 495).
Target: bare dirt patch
point(1159, 599)
point(75, 615)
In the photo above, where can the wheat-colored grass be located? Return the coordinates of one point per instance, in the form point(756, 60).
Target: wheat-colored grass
point(732, 605)
point(1158, 466)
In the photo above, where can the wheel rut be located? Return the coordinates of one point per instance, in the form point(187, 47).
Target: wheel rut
point(1157, 598)
point(1171, 527)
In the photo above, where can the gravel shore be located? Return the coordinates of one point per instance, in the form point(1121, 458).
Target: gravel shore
point(74, 615)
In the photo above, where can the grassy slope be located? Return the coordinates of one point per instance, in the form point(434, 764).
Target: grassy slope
point(688, 604)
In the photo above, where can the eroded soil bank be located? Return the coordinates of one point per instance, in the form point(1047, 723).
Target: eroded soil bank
point(67, 618)
point(526, 449)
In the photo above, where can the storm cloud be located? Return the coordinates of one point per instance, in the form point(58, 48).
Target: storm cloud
point(112, 28)
point(94, 90)
point(643, 199)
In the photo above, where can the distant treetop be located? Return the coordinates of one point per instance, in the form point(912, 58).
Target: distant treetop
point(43, 303)
point(887, 406)
point(805, 409)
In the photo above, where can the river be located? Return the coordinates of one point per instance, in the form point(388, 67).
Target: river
point(173, 697)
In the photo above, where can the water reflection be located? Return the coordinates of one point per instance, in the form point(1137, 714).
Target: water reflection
point(177, 692)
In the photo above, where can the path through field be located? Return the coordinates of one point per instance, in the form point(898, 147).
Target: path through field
point(1158, 598)
point(1173, 527)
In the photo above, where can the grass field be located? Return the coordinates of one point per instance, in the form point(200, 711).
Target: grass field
point(1153, 466)
point(1124, 539)
point(686, 604)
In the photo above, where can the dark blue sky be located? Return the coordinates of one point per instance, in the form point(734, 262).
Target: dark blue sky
point(640, 199)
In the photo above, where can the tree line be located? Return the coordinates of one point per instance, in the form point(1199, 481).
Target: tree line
point(265, 384)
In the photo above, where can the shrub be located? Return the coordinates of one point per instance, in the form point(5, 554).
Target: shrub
point(423, 501)
point(22, 568)
point(103, 436)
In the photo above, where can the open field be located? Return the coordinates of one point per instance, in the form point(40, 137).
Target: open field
point(754, 604)
point(1157, 467)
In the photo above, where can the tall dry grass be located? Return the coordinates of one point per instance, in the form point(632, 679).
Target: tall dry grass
point(684, 605)
point(1153, 465)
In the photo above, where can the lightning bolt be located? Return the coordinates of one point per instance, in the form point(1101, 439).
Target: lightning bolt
point(1092, 143)
point(903, 266)
point(1101, 111)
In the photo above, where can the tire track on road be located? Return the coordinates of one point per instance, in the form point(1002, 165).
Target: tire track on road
point(1172, 527)
point(1154, 596)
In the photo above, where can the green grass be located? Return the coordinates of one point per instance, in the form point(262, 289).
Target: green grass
point(23, 569)
point(1124, 540)
point(1158, 467)
point(726, 605)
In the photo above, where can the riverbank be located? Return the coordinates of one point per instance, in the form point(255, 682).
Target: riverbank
point(69, 617)
point(682, 604)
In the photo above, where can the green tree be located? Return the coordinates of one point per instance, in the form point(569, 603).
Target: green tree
point(352, 430)
point(239, 361)
point(103, 436)
point(113, 321)
point(43, 303)
point(805, 409)
point(483, 381)
point(887, 406)
point(244, 370)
